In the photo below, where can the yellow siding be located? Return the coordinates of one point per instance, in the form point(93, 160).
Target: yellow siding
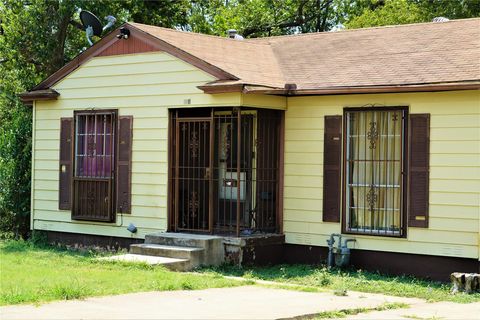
point(141, 85)
point(455, 172)
point(264, 101)
point(146, 85)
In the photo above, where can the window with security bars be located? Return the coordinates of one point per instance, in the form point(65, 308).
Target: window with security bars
point(94, 165)
point(94, 147)
point(374, 160)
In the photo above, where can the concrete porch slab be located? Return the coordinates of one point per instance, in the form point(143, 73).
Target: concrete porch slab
point(178, 235)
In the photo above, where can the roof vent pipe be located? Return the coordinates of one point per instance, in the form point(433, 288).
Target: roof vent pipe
point(232, 34)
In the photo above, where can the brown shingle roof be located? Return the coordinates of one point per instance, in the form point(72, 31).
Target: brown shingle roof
point(424, 53)
point(416, 57)
point(251, 61)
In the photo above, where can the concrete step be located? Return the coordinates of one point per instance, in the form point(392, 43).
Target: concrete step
point(170, 263)
point(206, 250)
point(183, 239)
point(160, 250)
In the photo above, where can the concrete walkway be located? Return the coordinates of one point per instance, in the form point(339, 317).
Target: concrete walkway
point(248, 302)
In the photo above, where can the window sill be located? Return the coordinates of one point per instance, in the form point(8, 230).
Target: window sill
point(388, 234)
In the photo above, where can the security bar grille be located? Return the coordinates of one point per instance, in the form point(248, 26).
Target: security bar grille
point(225, 170)
point(94, 156)
point(374, 171)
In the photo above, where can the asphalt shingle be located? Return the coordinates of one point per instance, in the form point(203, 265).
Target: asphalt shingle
point(421, 53)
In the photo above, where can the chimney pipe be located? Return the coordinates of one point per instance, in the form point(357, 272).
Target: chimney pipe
point(232, 34)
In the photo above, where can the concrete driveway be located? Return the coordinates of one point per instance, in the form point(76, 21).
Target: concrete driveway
point(248, 302)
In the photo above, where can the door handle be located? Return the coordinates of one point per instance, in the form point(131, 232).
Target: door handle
point(207, 173)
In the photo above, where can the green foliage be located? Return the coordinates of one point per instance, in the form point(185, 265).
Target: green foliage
point(458, 9)
point(392, 13)
point(337, 314)
point(341, 292)
point(259, 18)
point(70, 290)
point(373, 13)
point(32, 274)
point(39, 37)
point(15, 146)
point(342, 281)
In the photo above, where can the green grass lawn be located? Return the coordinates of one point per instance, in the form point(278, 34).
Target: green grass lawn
point(32, 274)
point(310, 278)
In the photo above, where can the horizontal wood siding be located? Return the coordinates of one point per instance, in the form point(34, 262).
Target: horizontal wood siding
point(140, 85)
point(454, 204)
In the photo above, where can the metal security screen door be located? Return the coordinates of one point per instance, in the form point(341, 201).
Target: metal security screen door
point(225, 169)
point(193, 198)
point(94, 174)
point(374, 166)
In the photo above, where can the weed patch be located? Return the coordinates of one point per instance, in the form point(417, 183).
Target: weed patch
point(412, 316)
point(342, 281)
point(336, 314)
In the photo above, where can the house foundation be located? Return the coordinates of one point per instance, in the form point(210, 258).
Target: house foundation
point(261, 249)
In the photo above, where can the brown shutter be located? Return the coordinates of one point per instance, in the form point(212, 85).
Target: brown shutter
point(418, 173)
point(124, 164)
point(332, 160)
point(66, 163)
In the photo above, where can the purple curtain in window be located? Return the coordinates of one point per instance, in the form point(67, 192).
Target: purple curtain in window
point(94, 147)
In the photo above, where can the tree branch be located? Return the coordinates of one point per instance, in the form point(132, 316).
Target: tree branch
point(297, 20)
point(77, 24)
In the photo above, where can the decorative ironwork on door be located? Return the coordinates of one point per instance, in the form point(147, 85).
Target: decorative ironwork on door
point(192, 175)
point(225, 170)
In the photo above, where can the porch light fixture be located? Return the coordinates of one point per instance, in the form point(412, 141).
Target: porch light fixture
point(124, 33)
point(131, 227)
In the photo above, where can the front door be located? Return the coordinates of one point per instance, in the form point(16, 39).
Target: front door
point(193, 180)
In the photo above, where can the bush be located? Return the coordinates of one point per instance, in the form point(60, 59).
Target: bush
point(15, 167)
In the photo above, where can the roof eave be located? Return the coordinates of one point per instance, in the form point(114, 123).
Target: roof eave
point(371, 89)
point(111, 38)
point(227, 88)
point(218, 87)
point(37, 95)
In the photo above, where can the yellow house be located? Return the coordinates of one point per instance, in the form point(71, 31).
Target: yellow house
point(373, 134)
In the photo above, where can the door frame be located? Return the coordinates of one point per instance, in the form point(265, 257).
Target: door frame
point(278, 116)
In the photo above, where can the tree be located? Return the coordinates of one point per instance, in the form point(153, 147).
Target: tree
point(258, 18)
point(390, 12)
point(458, 9)
point(375, 13)
point(37, 38)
